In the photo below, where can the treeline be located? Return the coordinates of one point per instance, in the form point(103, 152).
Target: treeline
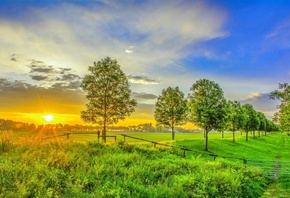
point(207, 107)
point(16, 126)
point(21, 126)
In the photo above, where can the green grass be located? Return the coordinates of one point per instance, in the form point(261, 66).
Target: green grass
point(67, 169)
point(139, 168)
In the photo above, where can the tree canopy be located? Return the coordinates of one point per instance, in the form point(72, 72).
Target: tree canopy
point(207, 106)
point(283, 116)
point(237, 116)
point(108, 94)
point(171, 108)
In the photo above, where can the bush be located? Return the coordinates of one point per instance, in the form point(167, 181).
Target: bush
point(6, 138)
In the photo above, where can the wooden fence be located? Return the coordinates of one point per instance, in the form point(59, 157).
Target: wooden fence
point(184, 149)
point(80, 133)
point(272, 168)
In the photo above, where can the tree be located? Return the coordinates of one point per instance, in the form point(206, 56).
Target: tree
point(238, 117)
point(171, 108)
point(252, 121)
point(226, 121)
point(108, 94)
point(207, 106)
point(263, 122)
point(283, 116)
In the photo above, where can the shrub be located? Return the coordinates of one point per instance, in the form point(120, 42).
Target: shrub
point(6, 140)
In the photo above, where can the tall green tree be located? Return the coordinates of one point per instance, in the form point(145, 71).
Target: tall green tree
point(171, 109)
point(283, 116)
point(252, 121)
point(108, 94)
point(238, 117)
point(206, 106)
point(263, 122)
point(226, 121)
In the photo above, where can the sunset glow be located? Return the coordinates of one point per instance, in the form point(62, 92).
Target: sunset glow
point(48, 118)
point(46, 51)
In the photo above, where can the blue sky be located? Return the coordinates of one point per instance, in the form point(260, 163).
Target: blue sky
point(46, 47)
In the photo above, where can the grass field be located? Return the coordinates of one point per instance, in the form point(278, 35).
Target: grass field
point(62, 154)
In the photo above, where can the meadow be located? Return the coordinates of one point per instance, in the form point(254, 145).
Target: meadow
point(84, 167)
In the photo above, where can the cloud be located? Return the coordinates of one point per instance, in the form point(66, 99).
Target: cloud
point(39, 78)
point(142, 80)
point(18, 96)
point(254, 95)
point(279, 36)
point(262, 102)
point(15, 57)
point(143, 96)
point(69, 77)
point(57, 37)
point(130, 49)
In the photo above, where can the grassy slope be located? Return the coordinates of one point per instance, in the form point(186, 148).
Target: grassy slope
point(265, 147)
point(67, 169)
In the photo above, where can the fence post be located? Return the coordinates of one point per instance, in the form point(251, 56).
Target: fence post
point(67, 136)
point(115, 139)
point(124, 138)
point(183, 151)
point(245, 162)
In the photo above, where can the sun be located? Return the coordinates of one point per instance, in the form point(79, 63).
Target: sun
point(48, 118)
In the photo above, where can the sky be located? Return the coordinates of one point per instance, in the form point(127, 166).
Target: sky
point(46, 47)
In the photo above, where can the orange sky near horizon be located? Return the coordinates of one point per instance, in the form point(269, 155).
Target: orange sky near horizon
point(72, 119)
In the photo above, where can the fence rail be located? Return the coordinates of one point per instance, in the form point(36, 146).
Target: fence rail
point(272, 168)
point(184, 149)
point(80, 133)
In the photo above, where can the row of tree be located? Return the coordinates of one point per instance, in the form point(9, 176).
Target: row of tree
point(207, 107)
point(109, 100)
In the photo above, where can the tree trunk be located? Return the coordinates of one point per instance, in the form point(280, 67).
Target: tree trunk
point(206, 141)
point(223, 134)
point(247, 134)
point(173, 132)
point(254, 134)
point(104, 131)
point(233, 136)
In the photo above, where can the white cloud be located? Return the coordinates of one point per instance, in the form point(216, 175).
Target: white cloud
point(74, 36)
point(130, 49)
point(254, 95)
point(142, 80)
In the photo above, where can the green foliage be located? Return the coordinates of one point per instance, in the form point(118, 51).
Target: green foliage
point(120, 170)
point(171, 108)
point(207, 106)
point(283, 116)
point(108, 93)
point(6, 141)
point(238, 116)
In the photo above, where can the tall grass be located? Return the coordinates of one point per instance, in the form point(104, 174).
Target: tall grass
point(70, 169)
